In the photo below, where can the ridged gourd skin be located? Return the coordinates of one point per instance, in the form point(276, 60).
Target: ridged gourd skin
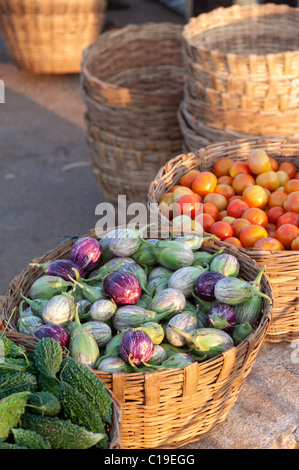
point(61, 434)
point(12, 408)
point(48, 356)
point(14, 382)
point(10, 349)
point(48, 384)
point(85, 381)
point(46, 404)
point(24, 438)
point(78, 409)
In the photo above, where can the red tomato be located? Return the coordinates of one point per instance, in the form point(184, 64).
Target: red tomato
point(204, 183)
point(238, 167)
point(289, 168)
point(286, 234)
point(288, 218)
point(256, 216)
point(274, 213)
point(269, 244)
point(291, 204)
point(238, 225)
point(251, 234)
point(206, 220)
point(222, 230)
point(234, 241)
point(210, 208)
point(189, 205)
point(236, 207)
point(255, 196)
point(222, 166)
point(187, 178)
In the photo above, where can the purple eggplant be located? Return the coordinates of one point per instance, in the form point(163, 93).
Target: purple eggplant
point(86, 253)
point(63, 268)
point(222, 317)
point(122, 288)
point(205, 285)
point(136, 347)
point(56, 332)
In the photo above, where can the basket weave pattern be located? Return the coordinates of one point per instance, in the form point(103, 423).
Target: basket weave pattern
point(170, 408)
point(282, 268)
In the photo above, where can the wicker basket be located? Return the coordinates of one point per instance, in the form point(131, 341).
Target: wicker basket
point(245, 41)
point(282, 267)
point(171, 408)
point(132, 85)
point(48, 37)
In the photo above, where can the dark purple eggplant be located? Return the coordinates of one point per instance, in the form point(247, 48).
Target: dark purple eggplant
point(205, 285)
point(63, 268)
point(223, 317)
point(122, 288)
point(136, 347)
point(56, 332)
point(86, 253)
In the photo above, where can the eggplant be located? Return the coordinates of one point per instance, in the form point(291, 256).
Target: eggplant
point(169, 301)
point(115, 365)
point(241, 332)
point(172, 254)
point(156, 285)
point(182, 321)
point(131, 316)
point(159, 271)
point(56, 332)
point(27, 312)
point(226, 264)
point(159, 355)
point(86, 252)
point(102, 310)
point(46, 287)
point(184, 279)
point(144, 255)
point(177, 360)
point(125, 241)
point(59, 310)
point(63, 268)
point(250, 310)
point(203, 258)
point(27, 325)
point(112, 347)
point(90, 293)
point(138, 272)
point(99, 330)
point(122, 288)
point(112, 266)
point(107, 255)
point(223, 317)
point(205, 285)
point(154, 330)
point(136, 347)
point(194, 241)
point(36, 305)
point(208, 342)
point(83, 346)
point(144, 301)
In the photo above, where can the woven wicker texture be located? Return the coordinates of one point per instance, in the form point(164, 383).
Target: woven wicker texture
point(282, 268)
point(171, 408)
point(48, 37)
point(132, 85)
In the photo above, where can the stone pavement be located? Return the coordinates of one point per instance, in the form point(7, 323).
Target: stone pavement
point(47, 191)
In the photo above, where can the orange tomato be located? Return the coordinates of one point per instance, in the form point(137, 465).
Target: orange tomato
point(236, 207)
point(234, 241)
point(255, 196)
point(269, 244)
point(226, 190)
point(204, 183)
point(222, 166)
point(167, 210)
point(283, 177)
point(242, 181)
point(238, 225)
point(295, 244)
point(187, 178)
point(268, 180)
point(286, 234)
point(218, 200)
point(167, 197)
point(189, 204)
point(296, 177)
point(174, 187)
point(222, 230)
point(291, 186)
point(277, 198)
point(228, 219)
point(256, 216)
point(226, 179)
point(288, 218)
point(289, 168)
point(273, 163)
point(291, 204)
point(210, 208)
point(251, 234)
point(271, 229)
point(238, 167)
point(274, 213)
point(222, 214)
point(180, 191)
point(258, 161)
point(206, 221)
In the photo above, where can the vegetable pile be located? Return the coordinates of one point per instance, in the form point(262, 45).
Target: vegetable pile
point(142, 304)
point(251, 204)
point(50, 401)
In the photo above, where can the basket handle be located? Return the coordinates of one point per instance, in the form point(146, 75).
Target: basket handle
point(229, 358)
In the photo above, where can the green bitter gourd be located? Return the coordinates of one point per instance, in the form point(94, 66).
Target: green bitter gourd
point(14, 382)
point(24, 438)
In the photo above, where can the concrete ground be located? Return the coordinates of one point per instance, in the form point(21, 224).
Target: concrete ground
point(48, 191)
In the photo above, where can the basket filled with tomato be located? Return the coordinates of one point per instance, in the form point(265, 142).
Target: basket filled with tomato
point(246, 193)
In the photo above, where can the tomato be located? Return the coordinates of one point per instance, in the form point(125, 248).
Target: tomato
point(291, 204)
point(210, 208)
point(268, 180)
point(238, 167)
point(277, 198)
point(251, 234)
point(288, 218)
point(236, 207)
point(222, 166)
point(271, 229)
point(167, 197)
point(167, 210)
point(242, 181)
point(283, 177)
point(189, 205)
point(181, 191)
point(206, 221)
point(234, 241)
point(258, 161)
point(255, 196)
point(238, 224)
point(273, 163)
point(222, 230)
point(256, 216)
point(204, 183)
point(222, 214)
point(226, 190)
point(289, 168)
point(291, 186)
point(187, 178)
point(174, 187)
point(228, 219)
point(295, 244)
point(296, 177)
point(218, 200)
point(269, 244)
point(274, 213)
point(286, 234)
point(226, 179)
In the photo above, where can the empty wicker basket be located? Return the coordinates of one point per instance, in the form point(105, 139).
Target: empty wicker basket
point(282, 268)
point(170, 408)
point(132, 85)
point(48, 37)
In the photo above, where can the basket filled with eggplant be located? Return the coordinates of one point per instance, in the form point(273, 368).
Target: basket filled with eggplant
point(172, 325)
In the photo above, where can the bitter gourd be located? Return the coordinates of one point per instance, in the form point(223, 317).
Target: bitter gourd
point(48, 356)
point(76, 407)
point(14, 382)
point(10, 445)
point(11, 364)
point(85, 381)
point(44, 403)
point(61, 434)
point(11, 410)
point(48, 384)
point(24, 438)
point(9, 349)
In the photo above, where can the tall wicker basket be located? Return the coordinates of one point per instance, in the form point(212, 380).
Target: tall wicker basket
point(282, 267)
point(48, 37)
point(170, 408)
